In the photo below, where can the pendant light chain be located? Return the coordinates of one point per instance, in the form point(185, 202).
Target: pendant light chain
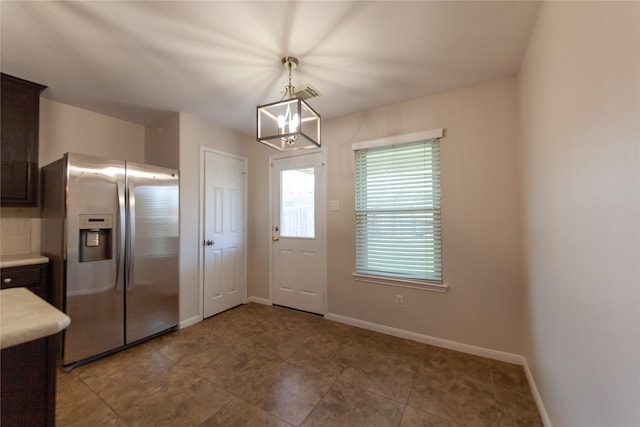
point(289, 90)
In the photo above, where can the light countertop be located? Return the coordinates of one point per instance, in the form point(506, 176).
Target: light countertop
point(24, 317)
point(22, 259)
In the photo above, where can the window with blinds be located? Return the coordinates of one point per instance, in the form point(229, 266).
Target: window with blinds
point(398, 225)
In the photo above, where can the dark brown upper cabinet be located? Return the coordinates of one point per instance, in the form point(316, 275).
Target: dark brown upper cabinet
point(19, 149)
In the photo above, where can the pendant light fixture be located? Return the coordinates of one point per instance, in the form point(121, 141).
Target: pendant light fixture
point(289, 124)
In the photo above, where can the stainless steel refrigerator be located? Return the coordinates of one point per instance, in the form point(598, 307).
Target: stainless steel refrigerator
point(111, 229)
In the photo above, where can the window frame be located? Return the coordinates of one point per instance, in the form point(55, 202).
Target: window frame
point(390, 279)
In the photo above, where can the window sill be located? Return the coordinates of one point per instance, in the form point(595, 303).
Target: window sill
point(403, 283)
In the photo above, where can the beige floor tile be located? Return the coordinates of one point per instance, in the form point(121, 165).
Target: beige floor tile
point(262, 365)
point(387, 375)
point(183, 403)
point(179, 344)
point(140, 359)
point(346, 406)
point(117, 379)
point(328, 355)
point(516, 408)
point(239, 413)
point(456, 398)
point(238, 369)
point(509, 375)
point(289, 392)
point(414, 418)
point(463, 365)
point(404, 347)
point(78, 406)
point(281, 342)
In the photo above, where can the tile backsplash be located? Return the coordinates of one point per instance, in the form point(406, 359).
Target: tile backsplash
point(15, 231)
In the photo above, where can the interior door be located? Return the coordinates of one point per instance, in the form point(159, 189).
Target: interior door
point(224, 248)
point(298, 232)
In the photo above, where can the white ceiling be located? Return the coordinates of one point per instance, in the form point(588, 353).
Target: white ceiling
point(218, 60)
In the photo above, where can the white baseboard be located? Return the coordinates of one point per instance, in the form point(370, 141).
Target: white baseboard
point(259, 300)
point(190, 321)
point(536, 396)
point(426, 339)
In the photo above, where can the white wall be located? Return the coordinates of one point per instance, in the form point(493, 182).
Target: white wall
point(481, 229)
point(64, 128)
point(195, 132)
point(259, 228)
point(580, 137)
point(162, 142)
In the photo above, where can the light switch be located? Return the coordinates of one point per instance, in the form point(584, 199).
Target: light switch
point(334, 205)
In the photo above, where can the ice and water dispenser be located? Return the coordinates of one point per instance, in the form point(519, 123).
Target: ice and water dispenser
point(96, 235)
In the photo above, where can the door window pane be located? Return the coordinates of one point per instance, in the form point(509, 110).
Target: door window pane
point(297, 203)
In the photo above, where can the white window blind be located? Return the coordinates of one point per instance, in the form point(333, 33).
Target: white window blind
point(398, 225)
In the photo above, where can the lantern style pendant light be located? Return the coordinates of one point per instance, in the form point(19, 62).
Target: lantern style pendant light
point(289, 124)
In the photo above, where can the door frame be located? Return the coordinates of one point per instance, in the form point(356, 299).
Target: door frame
point(322, 205)
point(201, 237)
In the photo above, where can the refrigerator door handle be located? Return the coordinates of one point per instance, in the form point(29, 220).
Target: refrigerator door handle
point(120, 227)
point(131, 225)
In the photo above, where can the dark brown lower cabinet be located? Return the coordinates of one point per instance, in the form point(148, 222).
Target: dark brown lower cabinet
point(28, 382)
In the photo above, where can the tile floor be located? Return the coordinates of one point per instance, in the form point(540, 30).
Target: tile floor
point(258, 365)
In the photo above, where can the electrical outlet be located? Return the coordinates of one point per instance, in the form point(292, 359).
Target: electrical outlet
point(334, 205)
point(399, 301)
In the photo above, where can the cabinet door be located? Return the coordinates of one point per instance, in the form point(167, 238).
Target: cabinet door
point(28, 384)
point(20, 121)
point(27, 371)
point(32, 277)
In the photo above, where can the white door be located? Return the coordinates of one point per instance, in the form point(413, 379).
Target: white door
point(224, 248)
point(298, 232)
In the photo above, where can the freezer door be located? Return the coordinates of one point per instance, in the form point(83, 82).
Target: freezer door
point(94, 291)
point(152, 251)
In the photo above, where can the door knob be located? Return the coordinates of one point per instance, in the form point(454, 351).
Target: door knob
point(209, 243)
point(275, 238)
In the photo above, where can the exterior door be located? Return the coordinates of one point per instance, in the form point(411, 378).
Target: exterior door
point(298, 232)
point(224, 243)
